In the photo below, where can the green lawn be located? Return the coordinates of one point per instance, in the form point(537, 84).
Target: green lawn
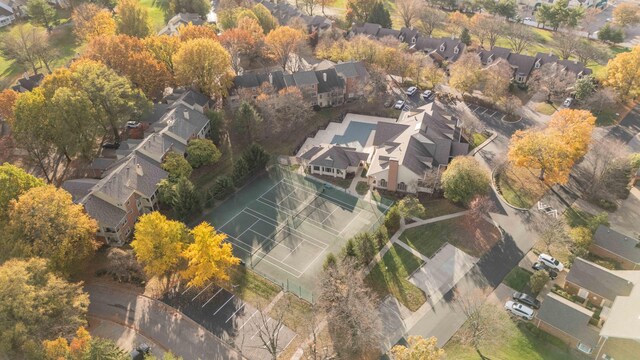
point(390, 275)
point(545, 108)
point(524, 344)
point(438, 207)
point(252, 287)
point(157, 13)
point(428, 238)
point(606, 118)
point(517, 279)
point(477, 139)
point(362, 187)
point(520, 187)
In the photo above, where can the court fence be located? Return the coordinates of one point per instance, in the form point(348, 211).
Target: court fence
point(288, 286)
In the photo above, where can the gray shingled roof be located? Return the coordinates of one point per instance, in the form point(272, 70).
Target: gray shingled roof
point(523, 63)
point(304, 78)
point(179, 125)
point(386, 131)
point(568, 317)
point(384, 32)
point(351, 69)
point(597, 279)
point(617, 243)
point(192, 97)
point(5, 10)
point(106, 214)
point(332, 80)
point(339, 157)
point(79, 188)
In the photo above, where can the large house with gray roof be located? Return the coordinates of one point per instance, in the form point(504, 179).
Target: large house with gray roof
point(524, 65)
point(285, 12)
point(326, 85)
point(179, 20)
point(601, 316)
point(614, 245)
point(125, 181)
point(404, 154)
point(439, 49)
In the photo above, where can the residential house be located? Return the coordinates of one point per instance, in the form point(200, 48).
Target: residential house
point(524, 65)
point(331, 88)
point(440, 49)
point(28, 83)
point(336, 161)
point(179, 20)
point(611, 244)
point(285, 12)
point(192, 99)
point(125, 181)
point(606, 324)
point(7, 14)
point(19, 7)
point(401, 154)
point(328, 84)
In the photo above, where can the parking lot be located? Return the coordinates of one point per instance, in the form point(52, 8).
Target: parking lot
point(488, 114)
point(228, 317)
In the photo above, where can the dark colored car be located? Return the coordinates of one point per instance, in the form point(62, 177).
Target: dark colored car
point(140, 352)
point(541, 266)
point(526, 299)
point(110, 145)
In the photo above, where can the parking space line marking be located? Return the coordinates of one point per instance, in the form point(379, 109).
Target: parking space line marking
point(232, 296)
point(265, 324)
point(294, 336)
point(201, 292)
point(214, 295)
point(235, 312)
point(493, 113)
point(250, 317)
point(188, 288)
point(485, 110)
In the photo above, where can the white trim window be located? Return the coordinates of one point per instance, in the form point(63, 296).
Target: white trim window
point(585, 348)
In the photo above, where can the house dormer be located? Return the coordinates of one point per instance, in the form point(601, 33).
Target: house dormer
point(538, 63)
point(490, 59)
point(456, 50)
point(414, 39)
point(442, 47)
point(401, 37)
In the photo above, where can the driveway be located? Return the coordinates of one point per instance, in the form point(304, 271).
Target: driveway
point(126, 338)
point(625, 219)
point(158, 322)
point(628, 128)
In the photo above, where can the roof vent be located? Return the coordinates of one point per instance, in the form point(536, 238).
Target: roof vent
point(324, 77)
point(186, 114)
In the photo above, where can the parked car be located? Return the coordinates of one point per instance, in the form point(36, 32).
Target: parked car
point(519, 310)
point(132, 124)
point(567, 102)
point(526, 299)
point(140, 352)
point(110, 145)
point(527, 19)
point(550, 262)
point(399, 105)
point(411, 91)
point(540, 266)
point(428, 94)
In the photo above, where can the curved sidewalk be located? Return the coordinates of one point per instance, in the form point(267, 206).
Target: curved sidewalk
point(162, 324)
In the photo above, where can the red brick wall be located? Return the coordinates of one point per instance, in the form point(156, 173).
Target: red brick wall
point(626, 264)
point(573, 289)
point(392, 184)
point(569, 340)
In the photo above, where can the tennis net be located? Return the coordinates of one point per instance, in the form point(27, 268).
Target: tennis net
point(306, 206)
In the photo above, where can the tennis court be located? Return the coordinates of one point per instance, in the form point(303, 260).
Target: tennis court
point(284, 224)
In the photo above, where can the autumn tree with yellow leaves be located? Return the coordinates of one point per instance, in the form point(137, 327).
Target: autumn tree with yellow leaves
point(90, 20)
point(205, 64)
point(208, 257)
point(45, 222)
point(623, 74)
point(282, 43)
point(418, 348)
point(555, 149)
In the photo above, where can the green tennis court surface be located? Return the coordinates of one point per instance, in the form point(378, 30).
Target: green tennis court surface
point(284, 224)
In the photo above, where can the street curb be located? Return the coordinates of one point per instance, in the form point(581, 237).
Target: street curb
point(495, 188)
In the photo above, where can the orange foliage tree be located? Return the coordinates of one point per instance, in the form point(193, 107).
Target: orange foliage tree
point(204, 63)
point(8, 98)
point(91, 20)
point(283, 42)
point(190, 32)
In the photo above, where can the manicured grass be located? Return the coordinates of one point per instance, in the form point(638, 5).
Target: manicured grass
point(517, 279)
point(157, 13)
point(390, 275)
point(339, 182)
point(252, 287)
point(545, 108)
point(428, 238)
point(362, 187)
point(520, 187)
point(524, 344)
point(297, 312)
point(606, 118)
point(477, 139)
point(439, 207)
point(576, 217)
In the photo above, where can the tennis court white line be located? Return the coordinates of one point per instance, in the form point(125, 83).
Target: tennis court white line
point(250, 317)
point(241, 211)
point(325, 195)
point(225, 303)
point(313, 206)
point(266, 255)
point(325, 219)
point(311, 221)
point(235, 312)
point(272, 240)
point(201, 292)
point(214, 295)
point(302, 235)
point(294, 336)
point(314, 260)
point(352, 220)
point(249, 228)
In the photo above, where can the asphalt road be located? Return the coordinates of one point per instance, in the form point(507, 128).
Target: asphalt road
point(158, 322)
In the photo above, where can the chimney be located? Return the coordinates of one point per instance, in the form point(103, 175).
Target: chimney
point(186, 114)
point(324, 77)
point(25, 75)
point(392, 183)
point(271, 78)
point(139, 170)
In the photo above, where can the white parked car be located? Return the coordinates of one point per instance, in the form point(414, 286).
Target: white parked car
point(399, 105)
point(519, 310)
point(567, 102)
point(427, 94)
point(551, 262)
point(411, 91)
